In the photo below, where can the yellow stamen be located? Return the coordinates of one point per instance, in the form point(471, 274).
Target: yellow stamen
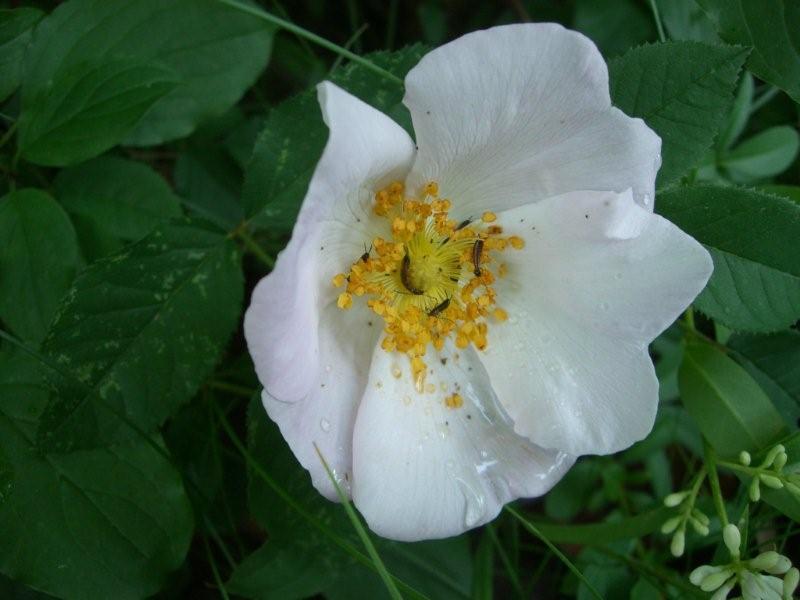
point(454, 401)
point(431, 279)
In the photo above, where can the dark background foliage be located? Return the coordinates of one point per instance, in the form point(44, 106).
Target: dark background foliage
point(153, 155)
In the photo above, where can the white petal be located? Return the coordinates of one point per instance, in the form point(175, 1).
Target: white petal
point(599, 278)
point(422, 470)
point(325, 417)
point(365, 150)
point(519, 113)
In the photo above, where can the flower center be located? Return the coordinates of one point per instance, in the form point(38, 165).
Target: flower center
point(432, 279)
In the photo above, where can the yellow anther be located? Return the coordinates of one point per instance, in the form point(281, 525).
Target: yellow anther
point(454, 400)
point(344, 301)
point(500, 314)
point(488, 217)
point(516, 242)
point(432, 189)
point(338, 280)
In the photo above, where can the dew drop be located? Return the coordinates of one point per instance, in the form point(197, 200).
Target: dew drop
point(407, 400)
point(430, 388)
point(328, 369)
point(325, 425)
point(475, 504)
point(397, 372)
point(617, 275)
point(604, 306)
point(450, 465)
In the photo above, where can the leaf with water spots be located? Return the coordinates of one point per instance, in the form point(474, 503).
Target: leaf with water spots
point(138, 333)
point(104, 523)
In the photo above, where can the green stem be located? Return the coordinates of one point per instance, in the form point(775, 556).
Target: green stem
point(362, 533)
point(657, 17)
point(239, 390)
point(311, 37)
point(759, 102)
point(689, 319)
point(254, 248)
point(561, 556)
point(512, 573)
point(347, 45)
point(214, 570)
point(710, 458)
point(8, 134)
point(292, 503)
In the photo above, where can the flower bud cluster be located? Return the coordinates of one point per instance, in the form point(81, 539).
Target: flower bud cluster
point(771, 473)
point(757, 577)
point(688, 514)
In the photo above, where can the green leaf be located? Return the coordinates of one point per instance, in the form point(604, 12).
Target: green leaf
point(685, 20)
point(682, 90)
point(294, 135)
point(768, 153)
point(105, 523)
point(614, 25)
point(740, 113)
point(209, 181)
point(215, 53)
point(773, 361)
point(732, 411)
point(114, 201)
point(280, 569)
point(771, 27)
point(140, 331)
point(16, 27)
point(756, 281)
point(38, 260)
point(791, 192)
point(86, 109)
point(603, 533)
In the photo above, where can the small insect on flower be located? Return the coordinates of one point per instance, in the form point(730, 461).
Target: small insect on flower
point(439, 308)
point(531, 358)
point(477, 250)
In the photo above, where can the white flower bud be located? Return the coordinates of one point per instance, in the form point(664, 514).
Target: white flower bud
point(744, 458)
point(771, 481)
point(675, 498)
point(765, 560)
point(781, 566)
point(772, 454)
point(754, 491)
point(713, 581)
point(698, 514)
point(780, 461)
point(722, 593)
point(678, 544)
point(790, 581)
point(671, 525)
point(732, 539)
point(700, 573)
point(699, 527)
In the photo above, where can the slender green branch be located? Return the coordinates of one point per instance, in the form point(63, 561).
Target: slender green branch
point(254, 248)
point(311, 37)
point(348, 44)
point(259, 471)
point(362, 533)
point(214, 570)
point(8, 134)
point(710, 458)
point(659, 27)
point(512, 573)
point(759, 102)
point(561, 556)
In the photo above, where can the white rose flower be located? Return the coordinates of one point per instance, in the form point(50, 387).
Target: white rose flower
point(498, 285)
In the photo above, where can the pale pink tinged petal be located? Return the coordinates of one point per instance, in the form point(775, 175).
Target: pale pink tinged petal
point(598, 279)
point(325, 417)
point(365, 150)
point(519, 113)
point(422, 470)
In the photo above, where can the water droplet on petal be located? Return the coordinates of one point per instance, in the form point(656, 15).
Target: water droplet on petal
point(407, 400)
point(475, 504)
point(604, 306)
point(325, 425)
point(617, 275)
point(397, 372)
point(328, 369)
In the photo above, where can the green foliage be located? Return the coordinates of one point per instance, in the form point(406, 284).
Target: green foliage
point(682, 90)
point(15, 34)
point(114, 201)
point(38, 259)
point(138, 333)
point(153, 159)
point(726, 403)
point(771, 28)
point(109, 522)
point(756, 282)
